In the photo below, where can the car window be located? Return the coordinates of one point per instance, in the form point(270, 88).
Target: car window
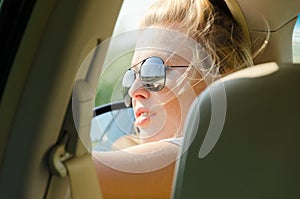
point(108, 127)
point(109, 124)
point(129, 15)
point(296, 42)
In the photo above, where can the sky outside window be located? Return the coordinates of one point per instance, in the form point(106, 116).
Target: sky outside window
point(296, 42)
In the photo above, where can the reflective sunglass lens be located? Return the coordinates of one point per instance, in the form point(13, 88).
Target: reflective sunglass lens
point(127, 81)
point(153, 73)
point(128, 78)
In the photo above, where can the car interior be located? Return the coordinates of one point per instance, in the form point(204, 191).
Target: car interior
point(241, 134)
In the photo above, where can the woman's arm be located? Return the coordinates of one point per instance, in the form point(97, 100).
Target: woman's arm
point(142, 171)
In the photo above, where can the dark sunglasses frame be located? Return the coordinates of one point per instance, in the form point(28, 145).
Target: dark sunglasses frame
point(146, 84)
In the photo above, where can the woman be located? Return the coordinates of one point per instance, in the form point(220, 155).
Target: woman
point(183, 46)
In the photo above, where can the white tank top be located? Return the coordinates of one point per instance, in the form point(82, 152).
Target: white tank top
point(177, 141)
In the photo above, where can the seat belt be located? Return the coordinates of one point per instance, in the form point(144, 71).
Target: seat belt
point(70, 158)
point(72, 176)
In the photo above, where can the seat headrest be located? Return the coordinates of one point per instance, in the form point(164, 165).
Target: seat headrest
point(255, 155)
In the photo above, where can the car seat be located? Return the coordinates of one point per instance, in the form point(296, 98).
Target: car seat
point(242, 139)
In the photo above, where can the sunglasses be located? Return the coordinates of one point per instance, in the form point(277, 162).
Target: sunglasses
point(152, 73)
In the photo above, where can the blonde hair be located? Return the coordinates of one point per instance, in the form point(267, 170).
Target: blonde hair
point(210, 23)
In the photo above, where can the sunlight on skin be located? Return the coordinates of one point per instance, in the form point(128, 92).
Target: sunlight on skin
point(155, 184)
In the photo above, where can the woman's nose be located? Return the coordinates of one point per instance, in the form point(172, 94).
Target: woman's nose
point(138, 91)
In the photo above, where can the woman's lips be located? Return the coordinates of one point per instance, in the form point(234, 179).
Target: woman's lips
point(143, 117)
point(140, 111)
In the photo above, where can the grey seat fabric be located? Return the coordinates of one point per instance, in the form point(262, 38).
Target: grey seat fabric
point(257, 154)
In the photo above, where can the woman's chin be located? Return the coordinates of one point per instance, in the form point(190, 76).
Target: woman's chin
point(149, 134)
point(151, 128)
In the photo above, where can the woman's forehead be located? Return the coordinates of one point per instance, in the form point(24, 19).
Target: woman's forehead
point(170, 58)
point(164, 42)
